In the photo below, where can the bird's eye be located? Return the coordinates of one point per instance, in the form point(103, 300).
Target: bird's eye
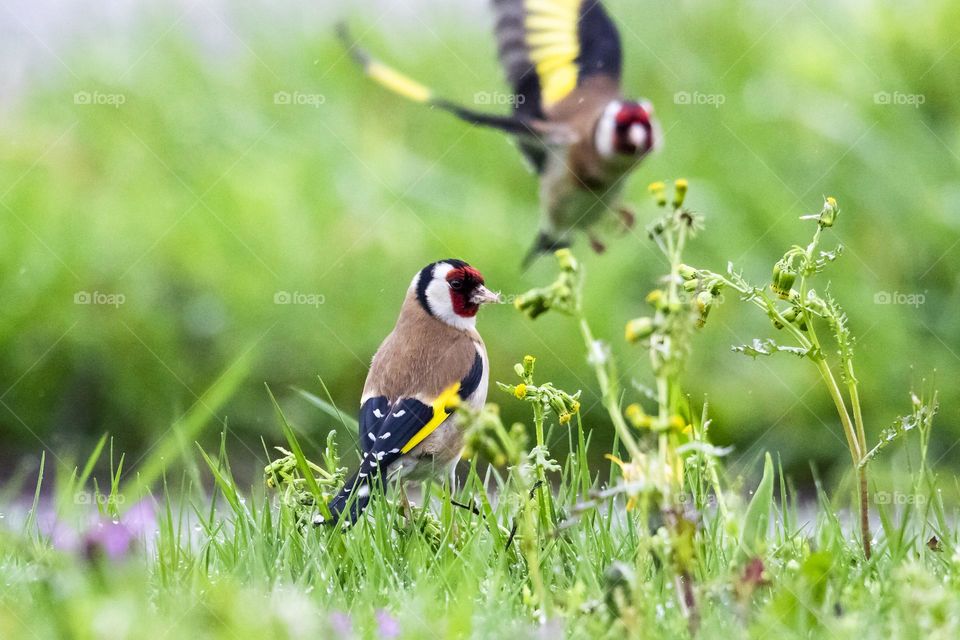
point(456, 285)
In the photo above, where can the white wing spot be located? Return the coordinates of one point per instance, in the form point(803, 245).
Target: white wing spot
point(377, 413)
point(372, 437)
point(394, 450)
point(400, 414)
point(385, 436)
point(380, 455)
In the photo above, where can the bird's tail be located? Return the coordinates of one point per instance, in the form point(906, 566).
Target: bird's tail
point(405, 86)
point(349, 504)
point(545, 243)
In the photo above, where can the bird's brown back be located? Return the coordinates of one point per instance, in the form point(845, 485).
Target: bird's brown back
point(421, 357)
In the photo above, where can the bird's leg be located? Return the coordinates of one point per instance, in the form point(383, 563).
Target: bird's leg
point(627, 217)
point(405, 504)
point(596, 244)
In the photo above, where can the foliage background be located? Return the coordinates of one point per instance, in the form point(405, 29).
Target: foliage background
point(200, 198)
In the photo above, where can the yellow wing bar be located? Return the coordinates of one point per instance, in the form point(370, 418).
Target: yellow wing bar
point(443, 406)
point(554, 45)
point(397, 82)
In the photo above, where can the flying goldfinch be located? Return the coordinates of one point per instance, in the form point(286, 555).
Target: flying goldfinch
point(433, 360)
point(570, 119)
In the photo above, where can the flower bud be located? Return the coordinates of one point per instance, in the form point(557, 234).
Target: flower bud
point(639, 328)
point(533, 304)
point(783, 278)
point(655, 298)
point(704, 302)
point(679, 192)
point(687, 272)
point(520, 391)
point(566, 259)
point(828, 215)
point(528, 362)
point(659, 192)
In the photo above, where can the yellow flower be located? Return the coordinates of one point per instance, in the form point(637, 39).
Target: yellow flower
point(637, 416)
point(659, 192)
point(677, 423)
point(632, 474)
point(520, 391)
point(679, 192)
point(564, 418)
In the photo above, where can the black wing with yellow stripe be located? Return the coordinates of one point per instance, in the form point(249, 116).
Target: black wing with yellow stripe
point(390, 430)
point(548, 47)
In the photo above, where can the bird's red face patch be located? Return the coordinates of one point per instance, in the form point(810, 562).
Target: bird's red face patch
point(632, 115)
point(462, 282)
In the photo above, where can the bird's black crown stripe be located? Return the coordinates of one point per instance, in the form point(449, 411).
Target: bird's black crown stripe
point(426, 276)
point(423, 281)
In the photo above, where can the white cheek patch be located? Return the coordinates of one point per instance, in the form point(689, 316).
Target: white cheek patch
point(603, 137)
point(438, 297)
point(639, 136)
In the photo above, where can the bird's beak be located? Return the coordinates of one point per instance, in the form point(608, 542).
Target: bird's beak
point(482, 295)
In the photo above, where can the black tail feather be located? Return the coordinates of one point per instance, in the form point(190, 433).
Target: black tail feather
point(349, 504)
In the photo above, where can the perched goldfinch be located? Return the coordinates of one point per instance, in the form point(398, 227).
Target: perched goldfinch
point(581, 136)
point(431, 361)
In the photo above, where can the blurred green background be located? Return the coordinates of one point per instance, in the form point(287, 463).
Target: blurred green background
point(197, 160)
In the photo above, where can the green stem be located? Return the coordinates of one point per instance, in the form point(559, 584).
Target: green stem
point(608, 390)
point(547, 514)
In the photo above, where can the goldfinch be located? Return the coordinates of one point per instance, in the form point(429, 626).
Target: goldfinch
point(433, 360)
point(579, 134)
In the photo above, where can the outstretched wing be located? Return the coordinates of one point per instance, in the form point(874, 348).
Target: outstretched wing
point(548, 48)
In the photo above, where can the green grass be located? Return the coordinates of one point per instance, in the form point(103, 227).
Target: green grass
point(349, 199)
point(199, 199)
point(238, 563)
point(662, 541)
